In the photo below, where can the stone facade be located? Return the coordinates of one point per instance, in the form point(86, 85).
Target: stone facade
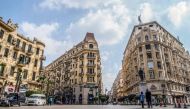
point(76, 75)
point(164, 60)
point(20, 57)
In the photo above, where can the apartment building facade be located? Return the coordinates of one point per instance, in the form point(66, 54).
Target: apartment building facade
point(77, 73)
point(20, 58)
point(164, 60)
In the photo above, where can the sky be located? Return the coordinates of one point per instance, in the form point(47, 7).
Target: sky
point(61, 24)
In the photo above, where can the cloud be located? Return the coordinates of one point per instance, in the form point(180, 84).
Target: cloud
point(45, 32)
point(82, 4)
point(176, 13)
point(108, 24)
point(146, 12)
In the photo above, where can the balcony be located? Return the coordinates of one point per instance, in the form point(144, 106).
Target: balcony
point(91, 65)
point(81, 57)
point(17, 48)
point(99, 74)
point(91, 57)
point(42, 57)
point(90, 74)
point(20, 64)
point(29, 53)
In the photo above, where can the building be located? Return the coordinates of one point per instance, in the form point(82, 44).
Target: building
point(20, 58)
point(76, 75)
point(117, 88)
point(164, 60)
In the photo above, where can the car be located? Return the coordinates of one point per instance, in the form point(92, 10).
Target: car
point(10, 100)
point(36, 99)
point(114, 103)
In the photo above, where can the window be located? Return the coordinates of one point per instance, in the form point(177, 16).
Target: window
point(157, 55)
point(34, 76)
point(139, 39)
point(35, 63)
point(37, 51)
point(151, 72)
point(141, 57)
point(29, 48)
point(15, 55)
point(23, 46)
point(2, 67)
point(21, 59)
point(12, 70)
point(146, 38)
point(140, 49)
point(17, 43)
point(9, 40)
point(160, 74)
point(1, 33)
point(159, 65)
point(149, 55)
point(27, 60)
point(156, 46)
point(155, 37)
point(148, 47)
point(90, 70)
point(91, 46)
point(6, 53)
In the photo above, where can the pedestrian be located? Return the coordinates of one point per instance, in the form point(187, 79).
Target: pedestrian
point(149, 98)
point(142, 99)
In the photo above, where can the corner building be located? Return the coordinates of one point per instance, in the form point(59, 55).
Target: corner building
point(164, 60)
point(77, 73)
point(19, 54)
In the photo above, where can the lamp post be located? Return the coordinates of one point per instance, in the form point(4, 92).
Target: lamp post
point(18, 80)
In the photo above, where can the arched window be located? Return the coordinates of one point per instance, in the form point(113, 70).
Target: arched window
point(91, 46)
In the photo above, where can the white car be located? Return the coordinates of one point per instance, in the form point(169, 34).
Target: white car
point(36, 99)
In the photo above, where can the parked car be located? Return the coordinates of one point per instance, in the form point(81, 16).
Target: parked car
point(11, 99)
point(36, 99)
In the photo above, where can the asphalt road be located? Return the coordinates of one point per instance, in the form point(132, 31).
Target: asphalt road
point(84, 107)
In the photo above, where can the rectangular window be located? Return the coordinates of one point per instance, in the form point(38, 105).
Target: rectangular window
point(37, 51)
point(35, 63)
point(156, 46)
point(34, 76)
point(141, 57)
point(159, 65)
point(25, 74)
point(149, 55)
point(9, 39)
point(152, 76)
point(148, 47)
point(2, 67)
point(21, 59)
point(12, 70)
point(140, 49)
point(15, 55)
point(29, 48)
point(157, 55)
point(6, 52)
point(155, 37)
point(1, 33)
point(23, 46)
point(17, 43)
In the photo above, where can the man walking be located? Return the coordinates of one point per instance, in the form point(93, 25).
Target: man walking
point(142, 99)
point(148, 98)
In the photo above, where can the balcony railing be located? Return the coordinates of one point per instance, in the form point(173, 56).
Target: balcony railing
point(29, 52)
point(17, 48)
point(91, 57)
point(90, 74)
point(81, 74)
point(91, 65)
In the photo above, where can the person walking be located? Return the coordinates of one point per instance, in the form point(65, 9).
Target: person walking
point(142, 99)
point(148, 98)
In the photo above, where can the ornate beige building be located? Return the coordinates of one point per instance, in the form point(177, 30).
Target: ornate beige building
point(164, 60)
point(117, 87)
point(76, 75)
point(20, 57)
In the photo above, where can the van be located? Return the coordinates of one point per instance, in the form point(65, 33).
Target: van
point(36, 99)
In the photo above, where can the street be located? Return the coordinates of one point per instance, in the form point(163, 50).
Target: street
point(85, 107)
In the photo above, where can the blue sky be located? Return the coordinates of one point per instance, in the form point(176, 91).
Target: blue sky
point(63, 23)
